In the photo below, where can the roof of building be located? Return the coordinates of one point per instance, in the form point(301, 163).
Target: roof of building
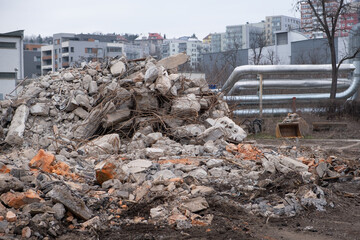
point(155, 36)
point(208, 37)
point(18, 33)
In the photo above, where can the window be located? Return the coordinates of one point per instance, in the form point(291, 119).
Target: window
point(37, 58)
point(88, 50)
point(7, 75)
point(35, 49)
point(55, 51)
point(71, 59)
point(72, 49)
point(114, 49)
point(7, 45)
point(38, 67)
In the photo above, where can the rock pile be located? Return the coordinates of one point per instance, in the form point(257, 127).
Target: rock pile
point(129, 142)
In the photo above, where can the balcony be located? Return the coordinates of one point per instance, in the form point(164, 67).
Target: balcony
point(47, 57)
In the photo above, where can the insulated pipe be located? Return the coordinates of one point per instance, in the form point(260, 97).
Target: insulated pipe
point(349, 92)
point(280, 69)
point(267, 111)
point(287, 84)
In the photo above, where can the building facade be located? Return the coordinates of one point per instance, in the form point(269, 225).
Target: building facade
point(193, 47)
point(151, 43)
point(11, 61)
point(32, 60)
point(218, 42)
point(281, 23)
point(70, 50)
point(239, 36)
point(311, 26)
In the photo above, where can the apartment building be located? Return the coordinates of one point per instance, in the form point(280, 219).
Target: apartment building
point(11, 61)
point(32, 60)
point(309, 21)
point(218, 42)
point(239, 36)
point(151, 43)
point(279, 23)
point(70, 50)
point(193, 47)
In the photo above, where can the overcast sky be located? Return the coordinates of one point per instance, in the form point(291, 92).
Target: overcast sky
point(173, 18)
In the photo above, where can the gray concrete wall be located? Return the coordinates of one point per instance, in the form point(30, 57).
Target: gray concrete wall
point(312, 51)
point(218, 66)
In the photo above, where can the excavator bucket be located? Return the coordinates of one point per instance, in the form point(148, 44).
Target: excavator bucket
point(288, 130)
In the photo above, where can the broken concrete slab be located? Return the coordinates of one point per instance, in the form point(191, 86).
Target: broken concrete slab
point(196, 204)
point(8, 183)
point(154, 153)
point(113, 118)
point(173, 61)
point(107, 144)
point(73, 203)
point(40, 109)
point(137, 166)
point(186, 106)
point(17, 127)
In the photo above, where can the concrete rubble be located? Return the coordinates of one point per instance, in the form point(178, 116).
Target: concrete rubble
point(88, 148)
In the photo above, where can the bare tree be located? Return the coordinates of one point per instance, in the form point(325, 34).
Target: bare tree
point(328, 14)
point(271, 57)
point(258, 41)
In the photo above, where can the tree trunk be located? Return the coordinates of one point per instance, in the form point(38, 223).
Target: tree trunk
point(334, 72)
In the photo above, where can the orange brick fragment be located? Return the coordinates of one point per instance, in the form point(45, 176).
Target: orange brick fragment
point(105, 173)
point(19, 199)
point(4, 169)
point(46, 162)
point(248, 152)
point(198, 223)
point(42, 161)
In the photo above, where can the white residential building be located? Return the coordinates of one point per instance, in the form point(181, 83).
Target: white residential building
point(191, 46)
point(11, 61)
point(70, 50)
point(239, 36)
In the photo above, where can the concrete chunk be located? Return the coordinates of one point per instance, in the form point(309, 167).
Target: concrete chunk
point(17, 127)
point(40, 109)
point(118, 69)
point(185, 106)
point(196, 204)
point(74, 204)
point(107, 144)
point(173, 61)
point(116, 117)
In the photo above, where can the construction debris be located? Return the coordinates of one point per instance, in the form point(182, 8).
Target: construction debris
point(132, 142)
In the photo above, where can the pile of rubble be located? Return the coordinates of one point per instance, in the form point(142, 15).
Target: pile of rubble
point(128, 142)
